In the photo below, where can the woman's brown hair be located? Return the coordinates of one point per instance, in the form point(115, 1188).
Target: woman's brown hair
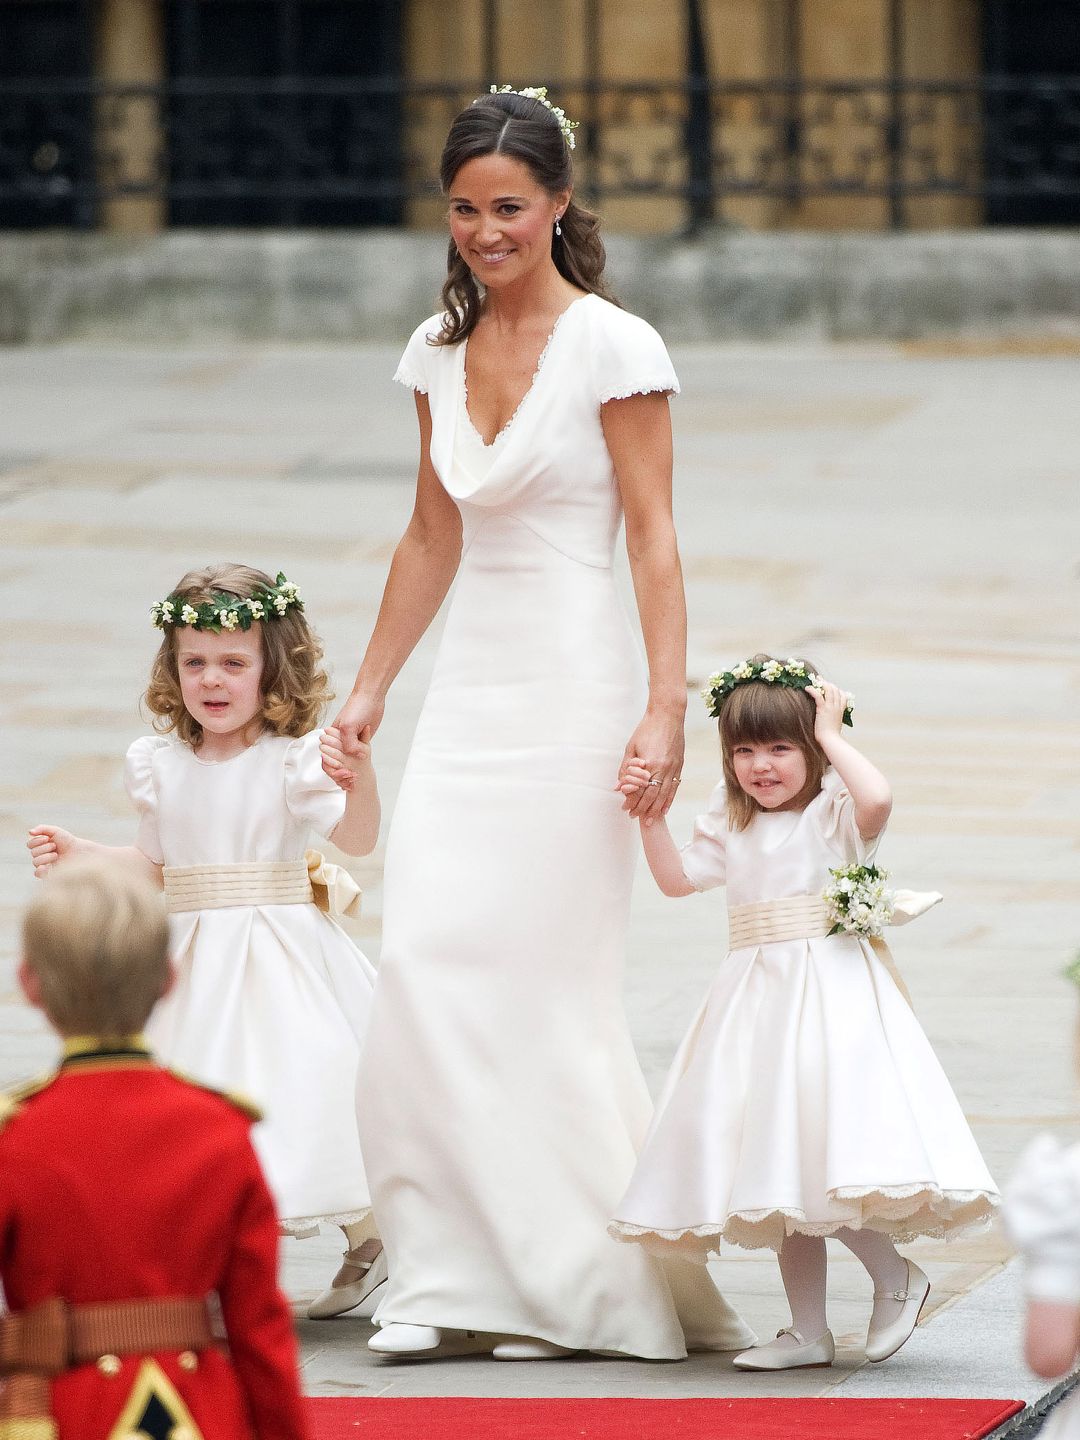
point(757, 713)
point(526, 130)
point(295, 687)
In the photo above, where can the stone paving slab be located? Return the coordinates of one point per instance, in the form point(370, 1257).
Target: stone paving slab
point(907, 517)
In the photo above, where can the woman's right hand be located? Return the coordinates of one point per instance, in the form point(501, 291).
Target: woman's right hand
point(48, 845)
point(361, 712)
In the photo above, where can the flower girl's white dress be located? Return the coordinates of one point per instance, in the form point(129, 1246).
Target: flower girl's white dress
point(805, 1096)
point(270, 1000)
point(1042, 1214)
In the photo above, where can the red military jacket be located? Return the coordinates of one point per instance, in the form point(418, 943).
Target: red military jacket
point(122, 1181)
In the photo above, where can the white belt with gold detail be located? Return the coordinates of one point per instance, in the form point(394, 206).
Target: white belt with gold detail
point(311, 881)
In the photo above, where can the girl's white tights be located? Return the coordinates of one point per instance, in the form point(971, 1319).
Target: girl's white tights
point(803, 1268)
point(360, 1230)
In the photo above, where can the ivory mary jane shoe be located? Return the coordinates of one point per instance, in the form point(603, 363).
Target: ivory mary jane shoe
point(417, 1342)
point(362, 1272)
point(884, 1340)
point(524, 1348)
point(778, 1354)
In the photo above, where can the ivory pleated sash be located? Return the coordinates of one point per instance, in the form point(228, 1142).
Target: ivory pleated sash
point(216, 887)
point(311, 881)
point(794, 917)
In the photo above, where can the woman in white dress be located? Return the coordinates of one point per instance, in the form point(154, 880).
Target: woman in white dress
point(510, 1104)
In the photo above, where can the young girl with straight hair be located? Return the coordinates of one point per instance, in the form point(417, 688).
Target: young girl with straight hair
point(272, 997)
point(805, 1100)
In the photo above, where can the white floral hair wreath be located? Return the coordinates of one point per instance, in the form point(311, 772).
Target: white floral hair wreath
point(228, 612)
point(539, 92)
point(790, 673)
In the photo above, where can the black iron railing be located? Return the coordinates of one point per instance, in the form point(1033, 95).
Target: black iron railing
point(290, 151)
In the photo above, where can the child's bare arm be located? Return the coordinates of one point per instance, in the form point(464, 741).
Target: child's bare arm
point(868, 787)
point(49, 846)
point(664, 859)
point(357, 832)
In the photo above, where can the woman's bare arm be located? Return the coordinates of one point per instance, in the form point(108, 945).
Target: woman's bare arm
point(638, 435)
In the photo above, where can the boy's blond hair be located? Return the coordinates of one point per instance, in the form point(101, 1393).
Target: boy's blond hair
point(97, 941)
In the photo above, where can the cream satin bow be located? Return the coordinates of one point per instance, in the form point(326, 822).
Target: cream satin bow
point(908, 905)
point(335, 891)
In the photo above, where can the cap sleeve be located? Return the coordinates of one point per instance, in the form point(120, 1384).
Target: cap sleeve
point(704, 858)
point(312, 797)
point(1042, 1217)
point(834, 813)
point(629, 358)
point(413, 367)
point(142, 792)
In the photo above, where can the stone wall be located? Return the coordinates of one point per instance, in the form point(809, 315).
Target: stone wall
point(198, 287)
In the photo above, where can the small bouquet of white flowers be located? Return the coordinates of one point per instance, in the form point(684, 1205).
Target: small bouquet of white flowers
point(857, 901)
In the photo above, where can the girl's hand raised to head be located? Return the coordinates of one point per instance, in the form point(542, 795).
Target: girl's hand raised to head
point(343, 767)
point(48, 845)
point(831, 702)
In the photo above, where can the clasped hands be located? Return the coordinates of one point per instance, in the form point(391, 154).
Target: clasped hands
point(344, 766)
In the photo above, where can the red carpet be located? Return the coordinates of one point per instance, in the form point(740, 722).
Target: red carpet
point(468, 1418)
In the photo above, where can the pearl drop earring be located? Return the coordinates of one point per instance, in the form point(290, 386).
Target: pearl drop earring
point(558, 227)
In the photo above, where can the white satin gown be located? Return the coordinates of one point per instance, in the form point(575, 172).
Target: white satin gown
point(805, 1096)
point(270, 1000)
point(504, 1104)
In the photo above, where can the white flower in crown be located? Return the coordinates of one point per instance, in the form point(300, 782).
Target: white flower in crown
point(229, 619)
point(795, 667)
point(290, 591)
point(188, 615)
point(744, 671)
point(256, 608)
point(539, 92)
point(772, 670)
point(280, 604)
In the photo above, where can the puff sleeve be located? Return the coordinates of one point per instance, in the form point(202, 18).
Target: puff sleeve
point(413, 367)
point(142, 792)
point(310, 794)
point(704, 858)
point(834, 812)
point(628, 357)
point(1042, 1217)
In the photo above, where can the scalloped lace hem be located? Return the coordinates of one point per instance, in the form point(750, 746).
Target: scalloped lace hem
point(302, 1227)
point(903, 1212)
point(649, 387)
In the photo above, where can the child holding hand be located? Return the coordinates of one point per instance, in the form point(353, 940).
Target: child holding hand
point(272, 997)
point(805, 1100)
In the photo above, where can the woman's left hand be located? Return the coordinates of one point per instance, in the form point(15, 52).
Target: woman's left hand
point(658, 744)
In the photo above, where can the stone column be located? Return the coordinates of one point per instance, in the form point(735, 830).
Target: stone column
point(130, 50)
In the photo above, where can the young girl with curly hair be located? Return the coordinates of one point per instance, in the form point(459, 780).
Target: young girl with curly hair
point(805, 1100)
point(272, 997)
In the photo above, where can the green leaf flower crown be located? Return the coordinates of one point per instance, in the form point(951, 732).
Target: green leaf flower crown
point(227, 612)
point(792, 674)
point(539, 92)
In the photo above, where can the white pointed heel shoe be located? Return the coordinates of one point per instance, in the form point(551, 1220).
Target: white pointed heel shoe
point(778, 1354)
point(418, 1342)
point(884, 1340)
point(405, 1340)
point(524, 1348)
point(362, 1272)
